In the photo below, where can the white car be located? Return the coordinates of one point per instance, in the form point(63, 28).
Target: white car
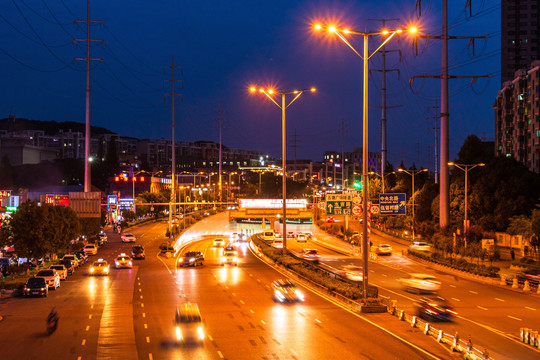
point(90, 249)
point(420, 246)
point(229, 256)
point(301, 237)
point(352, 272)
point(128, 238)
point(383, 249)
point(277, 243)
point(51, 277)
point(61, 270)
point(421, 283)
point(219, 242)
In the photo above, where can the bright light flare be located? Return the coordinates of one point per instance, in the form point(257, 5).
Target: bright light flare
point(313, 89)
point(252, 89)
point(413, 30)
point(332, 29)
point(317, 27)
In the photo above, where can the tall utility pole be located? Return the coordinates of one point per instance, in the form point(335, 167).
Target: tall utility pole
point(88, 59)
point(383, 51)
point(220, 119)
point(172, 94)
point(435, 128)
point(444, 185)
point(342, 154)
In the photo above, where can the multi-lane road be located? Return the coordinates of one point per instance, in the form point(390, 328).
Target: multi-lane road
point(129, 314)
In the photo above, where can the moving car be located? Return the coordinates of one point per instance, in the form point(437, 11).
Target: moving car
point(61, 270)
point(421, 283)
point(383, 249)
point(36, 287)
point(310, 255)
point(188, 324)
point(219, 242)
point(420, 246)
point(301, 237)
point(285, 290)
point(229, 256)
point(434, 308)
point(90, 249)
point(102, 239)
point(191, 258)
point(277, 243)
point(127, 238)
point(352, 272)
point(137, 252)
point(51, 277)
point(531, 275)
point(100, 267)
point(242, 237)
point(123, 262)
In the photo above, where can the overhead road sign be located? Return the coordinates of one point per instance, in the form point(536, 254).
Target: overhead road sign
point(392, 204)
point(339, 204)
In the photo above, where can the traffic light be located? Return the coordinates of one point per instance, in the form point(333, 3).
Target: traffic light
point(358, 185)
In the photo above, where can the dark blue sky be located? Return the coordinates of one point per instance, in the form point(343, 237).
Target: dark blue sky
point(225, 46)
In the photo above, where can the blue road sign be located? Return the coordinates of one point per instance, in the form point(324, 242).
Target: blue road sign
point(392, 204)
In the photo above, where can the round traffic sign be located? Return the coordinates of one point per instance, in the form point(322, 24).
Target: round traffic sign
point(375, 209)
point(356, 210)
point(356, 199)
point(322, 205)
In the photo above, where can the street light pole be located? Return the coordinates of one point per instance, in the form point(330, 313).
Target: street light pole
point(465, 168)
point(283, 107)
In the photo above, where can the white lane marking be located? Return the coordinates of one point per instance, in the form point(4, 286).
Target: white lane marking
point(530, 308)
point(385, 275)
point(143, 314)
point(499, 299)
point(150, 357)
point(90, 316)
point(293, 352)
point(147, 339)
point(234, 294)
point(319, 321)
point(211, 338)
point(141, 296)
point(88, 328)
point(242, 302)
point(453, 286)
point(371, 270)
point(92, 306)
point(481, 307)
point(83, 342)
point(515, 318)
point(262, 321)
point(456, 299)
point(473, 292)
point(146, 326)
point(220, 355)
point(251, 311)
point(140, 290)
point(226, 287)
point(142, 305)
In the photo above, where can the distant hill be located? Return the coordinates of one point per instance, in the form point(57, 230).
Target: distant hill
point(49, 127)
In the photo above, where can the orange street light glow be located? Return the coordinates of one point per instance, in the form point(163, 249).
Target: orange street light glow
point(317, 27)
point(413, 30)
point(252, 89)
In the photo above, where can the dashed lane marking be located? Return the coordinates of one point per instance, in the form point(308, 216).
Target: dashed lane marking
point(481, 307)
point(220, 355)
point(499, 299)
point(146, 326)
point(515, 318)
point(143, 314)
point(293, 352)
point(251, 311)
point(211, 338)
point(150, 357)
point(242, 302)
point(530, 308)
point(473, 292)
point(318, 321)
point(455, 299)
point(83, 342)
point(147, 339)
point(88, 328)
point(262, 322)
point(90, 316)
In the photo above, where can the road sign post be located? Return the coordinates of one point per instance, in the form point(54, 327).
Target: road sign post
point(338, 204)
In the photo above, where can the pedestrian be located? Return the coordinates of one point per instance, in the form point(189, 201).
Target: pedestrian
point(512, 254)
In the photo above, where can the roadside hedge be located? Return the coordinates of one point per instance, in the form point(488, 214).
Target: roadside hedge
point(314, 273)
point(458, 264)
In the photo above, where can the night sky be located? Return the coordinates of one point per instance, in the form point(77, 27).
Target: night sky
point(226, 46)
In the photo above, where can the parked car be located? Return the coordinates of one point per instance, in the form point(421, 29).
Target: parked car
point(69, 265)
point(51, 278)
point(82, 256)
point(73, 258)
point(6, 261)
point(434, 308)
point(61, 270)
point(137, 252)
point(191, 258)
point(285, 290)
point(90, 249)
point(36, 287)
point(421, 283)
point(420, 246)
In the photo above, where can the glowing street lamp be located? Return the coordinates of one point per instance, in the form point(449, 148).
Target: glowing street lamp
point(342, 34)
point(465, 168)
point(412, 173)
point(269, 93)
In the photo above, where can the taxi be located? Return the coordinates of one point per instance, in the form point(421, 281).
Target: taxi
point(123, 261)
point(100, 267)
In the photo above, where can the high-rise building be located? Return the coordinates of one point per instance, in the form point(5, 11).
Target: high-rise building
point(519, 36)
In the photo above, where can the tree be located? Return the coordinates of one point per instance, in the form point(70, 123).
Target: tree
point(474, 151)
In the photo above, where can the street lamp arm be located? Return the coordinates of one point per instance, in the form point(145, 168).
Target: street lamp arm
point(294, 99)
point(383, 43)
point(271, 98)
point(344, 39)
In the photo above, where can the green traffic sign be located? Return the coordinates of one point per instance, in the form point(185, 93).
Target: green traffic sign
point(338, 204)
